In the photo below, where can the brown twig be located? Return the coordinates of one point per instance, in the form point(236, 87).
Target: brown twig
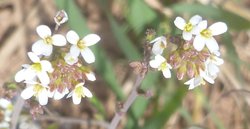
point(68, 120)
point(134, 93)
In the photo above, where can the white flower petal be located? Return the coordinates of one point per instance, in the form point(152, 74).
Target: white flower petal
point(154, 64)
point(155, 40)
point(28, 92)
point(202, 25)
point(58, 95)
point(197, 81)
point(195, 19)
point(51, 93)
point(72, 37)
point(70, 94)
point(20, 75)
point(33, 57)
point(91, 39)
point(160, 58)
point(199, 43)
point(213, 69)
point(29, 74)
point(88, 55)
point(43, 31)
point(206, 77)
point(90, 76)
point(189, 81)
point(4, 103)
point(70, 59)
point(157, 49)
point(218, 28)
point(76, 99)
point(43, 97)
point(47, 49)
point(166, 73)
point(87, 92)
point(212, 45)
point(46, 65)
point(179, 23)
point(43, 77)
point(218, 61)
point(36, 47)
point(187, 35)
point(74, 51)
point(59, 40)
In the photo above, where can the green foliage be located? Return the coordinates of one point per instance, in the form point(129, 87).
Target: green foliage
point(139, 15)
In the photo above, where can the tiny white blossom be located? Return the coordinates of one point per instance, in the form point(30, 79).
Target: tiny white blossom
point(36, 89)
point(6, 107)
point(205, 35)
point(70, 59)
point(90, 76)
point(61, 17)
point(161, 64)
point(212, 66)
point(81, 45)
point(45, 45)
point(57, 95)
point(79, 92)
point(189, 28)
point(160, 43)
point(194, 82)
point(39, 69)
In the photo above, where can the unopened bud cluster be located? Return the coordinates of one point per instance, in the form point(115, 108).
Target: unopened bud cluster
point(197, 54)
point(56, 71)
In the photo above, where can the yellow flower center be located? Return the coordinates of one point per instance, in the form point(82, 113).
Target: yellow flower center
point(37, 89)
point(37, 67)
point(188, 27)
point(163, 66)
point(81, 44)
point(79, 91)
point(48, 40)
point(206, 33)
point(59, 18)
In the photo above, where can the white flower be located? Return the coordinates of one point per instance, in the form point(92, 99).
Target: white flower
point(70, 59)
point(79, 92)
point(205, 35)
point(90, 76)
point(7, 109)
point(39, 69)
point(61, 17)
point(161, 64)
point(44, 46)
point(189, 28)
point(212, 66)
point(57, 95)
point(81, 45)
point(194, 82)
point(160, 43)
point(36, 89)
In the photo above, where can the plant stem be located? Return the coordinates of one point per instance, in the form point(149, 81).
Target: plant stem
point(131, 98)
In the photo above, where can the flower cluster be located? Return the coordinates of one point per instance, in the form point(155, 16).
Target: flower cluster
point(6, 108)
point(56, 71)
point(197, 53)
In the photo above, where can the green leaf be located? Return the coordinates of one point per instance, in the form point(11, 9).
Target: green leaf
point(207, 11)
point(139, 15)
point(158, 120)
point(124, 42)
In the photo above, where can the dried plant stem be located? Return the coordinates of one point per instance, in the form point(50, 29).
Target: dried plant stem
point(131, 98)
point(68, 120)
point(134, 93)
point(16, 112)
